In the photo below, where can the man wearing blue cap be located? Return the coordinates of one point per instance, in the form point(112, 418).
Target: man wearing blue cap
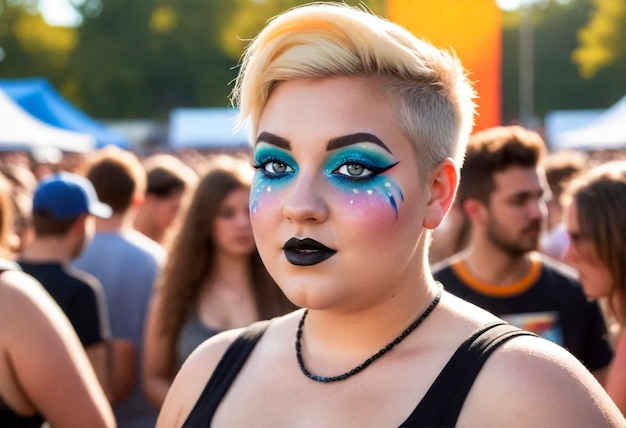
point(64, 206)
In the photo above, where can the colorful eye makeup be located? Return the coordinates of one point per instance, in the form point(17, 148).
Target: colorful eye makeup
point(358, 171)
point(275, 168)
point(356, 166)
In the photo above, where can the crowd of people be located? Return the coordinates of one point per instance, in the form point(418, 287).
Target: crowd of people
point(97, 235)
point(371, 262)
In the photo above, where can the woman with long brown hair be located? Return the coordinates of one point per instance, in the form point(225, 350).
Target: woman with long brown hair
point(214, 279)
point(596, 224)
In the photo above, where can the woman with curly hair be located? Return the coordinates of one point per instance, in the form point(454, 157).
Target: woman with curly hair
point(214, 279)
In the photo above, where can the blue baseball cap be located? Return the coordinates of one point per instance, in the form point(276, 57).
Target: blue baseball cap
point(66, 195)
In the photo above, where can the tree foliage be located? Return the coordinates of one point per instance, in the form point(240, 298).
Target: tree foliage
point(557, 84)
point(252, 15)
point(140, 59)
point(143, 58)
point(151, 56)
point(602, 39)
point(30, 47)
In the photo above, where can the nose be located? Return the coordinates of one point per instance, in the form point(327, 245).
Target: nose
point(538, 209)
point(305, 201)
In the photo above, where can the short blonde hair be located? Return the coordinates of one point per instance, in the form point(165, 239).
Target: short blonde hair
point(426, 85)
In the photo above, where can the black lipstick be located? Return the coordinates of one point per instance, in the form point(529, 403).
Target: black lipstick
point(306, 252)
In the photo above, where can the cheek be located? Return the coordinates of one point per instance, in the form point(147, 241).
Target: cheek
point(264, 201)
point(264, 195)
point(601, 274)
point(373, 206)
point(381, 197)
point(369, 211)
point(169, 212)
point(265, 210)
point(370, 214)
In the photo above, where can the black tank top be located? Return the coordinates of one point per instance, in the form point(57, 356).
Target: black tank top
point(440, 407)
point(8, 418)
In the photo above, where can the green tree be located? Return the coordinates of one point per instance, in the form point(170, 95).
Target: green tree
point(30, 47)
point(557, 84)
point(140, 59)
point(252, 15)
point(602, 40)
point(144, 58)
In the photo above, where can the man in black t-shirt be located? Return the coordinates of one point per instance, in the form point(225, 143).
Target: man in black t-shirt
point(63, 208)
point(502, 193)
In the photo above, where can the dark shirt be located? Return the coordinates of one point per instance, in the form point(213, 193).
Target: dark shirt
point(79, 295)
point(10, 419)
point(549, 301)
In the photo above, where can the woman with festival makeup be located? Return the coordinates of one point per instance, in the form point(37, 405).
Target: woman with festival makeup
point(214, 279)
point(359, 130)
point(596, 224)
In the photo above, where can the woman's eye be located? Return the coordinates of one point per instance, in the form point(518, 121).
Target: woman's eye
point(276, 167)
point(354, 170)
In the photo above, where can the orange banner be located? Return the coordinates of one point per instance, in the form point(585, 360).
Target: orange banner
point(473, 29)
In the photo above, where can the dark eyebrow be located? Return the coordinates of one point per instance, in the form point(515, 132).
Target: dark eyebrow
point(275, 140)
point(527, 194)
point(361, 137)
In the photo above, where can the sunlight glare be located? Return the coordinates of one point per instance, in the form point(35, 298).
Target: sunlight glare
point(59, 13)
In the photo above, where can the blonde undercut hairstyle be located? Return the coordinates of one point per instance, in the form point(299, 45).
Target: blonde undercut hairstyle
point(427, 86)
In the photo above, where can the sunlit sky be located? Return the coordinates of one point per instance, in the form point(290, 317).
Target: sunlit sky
point(60, 12)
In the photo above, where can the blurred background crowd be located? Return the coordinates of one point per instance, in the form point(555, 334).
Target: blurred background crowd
point(171, 261)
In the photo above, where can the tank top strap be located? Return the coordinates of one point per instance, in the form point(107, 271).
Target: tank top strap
point(443, 402)
point(227, 369)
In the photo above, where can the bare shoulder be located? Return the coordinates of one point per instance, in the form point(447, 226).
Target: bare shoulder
point(530, 381)
point(192, 378)
point(16, 283)
point(194, 375)
point(21, 294)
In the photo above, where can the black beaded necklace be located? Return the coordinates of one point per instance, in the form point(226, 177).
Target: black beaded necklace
point(371, 359)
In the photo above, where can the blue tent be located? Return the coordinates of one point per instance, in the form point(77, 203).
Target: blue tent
point(41, 100)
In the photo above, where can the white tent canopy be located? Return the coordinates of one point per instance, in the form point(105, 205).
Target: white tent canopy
point(205, 127)
point(21, 131)
point(606, 131)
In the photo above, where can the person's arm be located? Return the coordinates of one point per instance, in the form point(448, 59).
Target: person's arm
point(123, 355)
point(49, 362)
point(112, 358)
point(99, 356)
point(159, 365)
point(616, 378)
point(114, 363)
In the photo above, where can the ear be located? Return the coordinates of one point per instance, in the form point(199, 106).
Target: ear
point(138, 199)
point(79, 223)
point(474, 210)
point(443, 184)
